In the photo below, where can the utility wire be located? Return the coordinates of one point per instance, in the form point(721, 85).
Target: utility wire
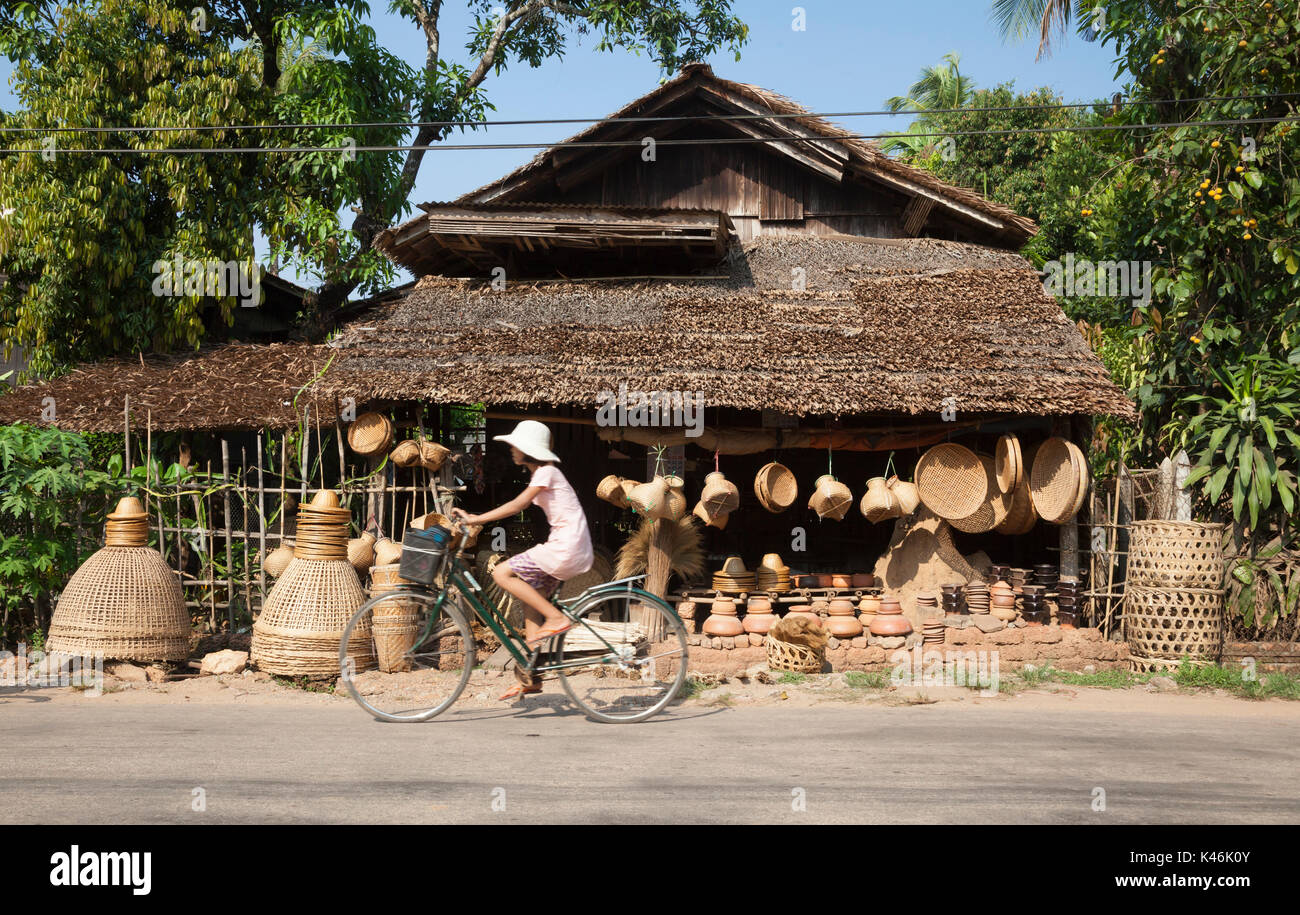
point(608, 144)
point(652, 119)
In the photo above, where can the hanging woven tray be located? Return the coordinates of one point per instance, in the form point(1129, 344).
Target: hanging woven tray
point(1054, 480)
point(370, 434)
point(993, 511)
point(1020, 517)
point(1010, 464)
point(951, 481)
point(776, 487)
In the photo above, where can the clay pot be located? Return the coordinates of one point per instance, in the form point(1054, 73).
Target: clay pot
point(804, 581)
point(825, 581)
point(890, 624)
point(843, 627)
point(841, 606)
point(759, 616)
point(889, 605)
point(723, 620)
point(868, 607)
point(805, 611)
point(841, 581)
point(863, 580)
point(759, 605)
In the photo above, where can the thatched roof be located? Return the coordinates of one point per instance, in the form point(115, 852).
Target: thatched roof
point(822, 143)
point(861, 338)
point(237, 386)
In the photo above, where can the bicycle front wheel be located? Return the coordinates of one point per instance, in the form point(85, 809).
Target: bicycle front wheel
point(637, 647)
point(424, 655)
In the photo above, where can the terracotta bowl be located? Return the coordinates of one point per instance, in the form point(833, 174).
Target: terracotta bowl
point(863, 580)
point(841, 581)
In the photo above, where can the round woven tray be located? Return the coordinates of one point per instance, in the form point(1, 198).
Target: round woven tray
point(126, 603)
point(776, 487)
point(370, 434)
point(994, 509)
point(298, 632)
point(792, 657)
point(1020, 517)
point(1054, 480)
point(951, 481)
point(1176, 554)
point(1010, 466)
point(1174, 623)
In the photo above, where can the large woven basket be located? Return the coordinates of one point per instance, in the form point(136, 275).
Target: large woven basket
point(951, 481)
point(1174, 623)
point(776, 487)
point(1010, 463)
point(610, 489)
point(993, 511)
point(789, 656)
point(1176, 554)
point(299, 631)
point(406, 454)
point(394, 623)
point(1020, 517)
point(719, 496)
point(831, 499)
point(370, 434)
point(124, 603)
point(1058, 480)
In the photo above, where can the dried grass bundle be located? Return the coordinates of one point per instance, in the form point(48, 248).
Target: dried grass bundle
point(799, 630)
point(681, 543)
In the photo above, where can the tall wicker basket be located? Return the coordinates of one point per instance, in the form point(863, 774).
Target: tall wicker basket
point(1176, 554)
point(1173, 624)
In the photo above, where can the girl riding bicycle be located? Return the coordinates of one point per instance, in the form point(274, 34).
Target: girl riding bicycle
point(537, 573)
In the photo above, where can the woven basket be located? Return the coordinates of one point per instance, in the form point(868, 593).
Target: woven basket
point(125, 603)
point(994, 509)
point(1054, 480)
point(719, 496)
point(298, 632)
point(951, 481)
point(831, 499)
point(394, 624)
point(792, 657)
point(880, 502)
point(370, 434)
point(1176, 554)
point(610, 490)
point(909, 498)
point(1009, 463)
point(433, 455)
point(1081, 467)
point(278, 559)
point(1174, 623)
point(361, 552)
point(775, 487)
point(1020, 517)
point(406, 454)
point(647, 498)
point(701, 511)
point(673, 507)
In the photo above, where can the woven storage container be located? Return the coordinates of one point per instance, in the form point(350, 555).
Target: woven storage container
point(831, 498)
point(951, 481)
point(278, 559)
point(880, 502)
point(1009, 463)
point(370, 434)
point(124, 603)
point(909, 498)
point(361, 552)
point(775, 487)
point(673, 507)
point(394, 624)
point(433, 455)
point(1174, 623)
point(1176, 554)
point(648, 498)
point(299, 630)
point(610, 490)
point(789, 656)
point(406, 454)
point(719, 496)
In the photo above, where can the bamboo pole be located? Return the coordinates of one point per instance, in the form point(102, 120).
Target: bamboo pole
point(306, 450)
point(656, 580)
point(211, 551)
point(243, 501)
point(230, 560)
point(284, 469)
point(126, 432)
point(261, 527)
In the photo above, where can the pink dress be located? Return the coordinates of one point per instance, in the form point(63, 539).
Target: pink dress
point(567, 552)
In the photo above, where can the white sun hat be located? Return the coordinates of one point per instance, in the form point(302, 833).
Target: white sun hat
point(532, 438)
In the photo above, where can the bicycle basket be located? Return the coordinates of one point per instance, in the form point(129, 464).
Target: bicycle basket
point(423, 553)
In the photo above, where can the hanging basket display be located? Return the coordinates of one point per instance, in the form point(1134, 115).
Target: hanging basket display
point(610, 490)
point(951, 481)
point(906, 493)
point(1058, 480)
point(370, 434)
point(406, 454)
point(879, 503)
point(993, 511)
point(361, 552)
point(433, 455)
point(124, 602)
point(1009, 463)
point(648, 498)
point(719, 496)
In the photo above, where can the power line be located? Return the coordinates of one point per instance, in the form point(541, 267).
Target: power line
point(647, 119)
point(610, 144)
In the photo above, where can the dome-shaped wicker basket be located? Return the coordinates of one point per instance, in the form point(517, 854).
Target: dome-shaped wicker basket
point(361, 552)
point(1174, 623)
point(433, 455)
point(388, 552)
point(124, 603)
point(406, 454)
point(880, 502)
point(370, 434)
point(300, 628)
point(796, 658)
point(951, 481)
point(1176, 554)
point(719, 496)
point(610, 490)
point(909, 498)
point(776, 487)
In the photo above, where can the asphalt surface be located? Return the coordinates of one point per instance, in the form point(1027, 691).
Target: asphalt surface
point(84, 762)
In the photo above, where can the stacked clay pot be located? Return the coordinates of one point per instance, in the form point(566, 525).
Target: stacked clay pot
point(722, 619)
point(889, 619)
point(868, 607)
point(758, 616)
point(842, 623)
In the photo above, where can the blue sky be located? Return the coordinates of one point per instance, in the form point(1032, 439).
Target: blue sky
point(850, 57)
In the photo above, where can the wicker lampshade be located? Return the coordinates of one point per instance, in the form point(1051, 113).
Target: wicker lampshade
point(124, 602)
point(298, 632)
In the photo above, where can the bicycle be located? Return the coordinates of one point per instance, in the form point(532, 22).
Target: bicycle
point(423, 648)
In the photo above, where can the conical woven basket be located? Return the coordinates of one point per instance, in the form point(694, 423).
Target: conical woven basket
point(673, 506)
point(775, 487)
point(433, 455)
point(831, 499)
point(300, 628)
point(648, 498)
point(610, 489)
point(370, 434)
point(125, 603)
point(951, 481)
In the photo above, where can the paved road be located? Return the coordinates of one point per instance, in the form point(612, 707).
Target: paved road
point(88, 762)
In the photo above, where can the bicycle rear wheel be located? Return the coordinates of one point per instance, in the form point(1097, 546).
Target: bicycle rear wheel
point(425, 656)
point(630, 678)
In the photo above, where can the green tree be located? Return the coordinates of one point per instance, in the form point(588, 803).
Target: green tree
point(938, 87)
point(87, 228)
